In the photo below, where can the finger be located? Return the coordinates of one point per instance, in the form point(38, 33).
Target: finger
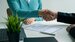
point(47, 18)
point(25, 21)
point(28, 22)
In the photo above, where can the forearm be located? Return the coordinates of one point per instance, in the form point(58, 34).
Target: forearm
point(66, 17)
point(29, 14)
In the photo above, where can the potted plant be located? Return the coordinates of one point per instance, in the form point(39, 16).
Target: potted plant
point(13, 28)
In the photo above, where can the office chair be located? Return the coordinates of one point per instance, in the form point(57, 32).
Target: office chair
point(9, 12)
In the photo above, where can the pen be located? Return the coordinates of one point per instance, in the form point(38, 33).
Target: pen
point(47, 33)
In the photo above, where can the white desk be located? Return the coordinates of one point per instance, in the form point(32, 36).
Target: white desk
point(61, 35)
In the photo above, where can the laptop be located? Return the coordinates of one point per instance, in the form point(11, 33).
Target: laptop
point(40, 39)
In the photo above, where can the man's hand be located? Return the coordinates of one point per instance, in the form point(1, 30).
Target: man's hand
point(70, 27)
point(48, 15)
point(29, 21)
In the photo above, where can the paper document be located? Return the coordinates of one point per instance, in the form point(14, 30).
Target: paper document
point(48, 27)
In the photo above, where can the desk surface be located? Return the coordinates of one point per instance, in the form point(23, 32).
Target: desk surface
point(61, 35)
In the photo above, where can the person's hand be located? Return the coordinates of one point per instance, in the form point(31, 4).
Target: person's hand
point(29, 21)
point(48, 15)
point(70, 27)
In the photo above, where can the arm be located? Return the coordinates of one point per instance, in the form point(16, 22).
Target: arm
point(66, 17)
point(14, 5)
point(28, 14)
point(61, 17)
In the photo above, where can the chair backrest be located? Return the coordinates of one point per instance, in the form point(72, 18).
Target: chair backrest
point(9, 12)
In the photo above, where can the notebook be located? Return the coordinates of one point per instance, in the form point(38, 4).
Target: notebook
point(40, 39)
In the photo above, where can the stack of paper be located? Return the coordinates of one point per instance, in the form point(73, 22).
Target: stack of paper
point(47, 27)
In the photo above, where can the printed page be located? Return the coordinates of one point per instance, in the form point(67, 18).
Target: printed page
point(47, 27)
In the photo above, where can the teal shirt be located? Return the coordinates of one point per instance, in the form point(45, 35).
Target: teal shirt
point(24, 9)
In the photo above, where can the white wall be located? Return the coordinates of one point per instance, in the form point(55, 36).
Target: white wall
point(59, 5)
point(3, 7)
point(55, 5)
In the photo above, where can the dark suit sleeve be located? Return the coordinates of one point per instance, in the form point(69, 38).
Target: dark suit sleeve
point(66, 17)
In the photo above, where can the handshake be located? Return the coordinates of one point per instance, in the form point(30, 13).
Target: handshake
point(47, 15)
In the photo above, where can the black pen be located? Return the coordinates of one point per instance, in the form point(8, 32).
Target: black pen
point(47, 33)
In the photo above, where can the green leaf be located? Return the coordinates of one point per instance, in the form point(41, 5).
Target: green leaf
point(13, 24)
